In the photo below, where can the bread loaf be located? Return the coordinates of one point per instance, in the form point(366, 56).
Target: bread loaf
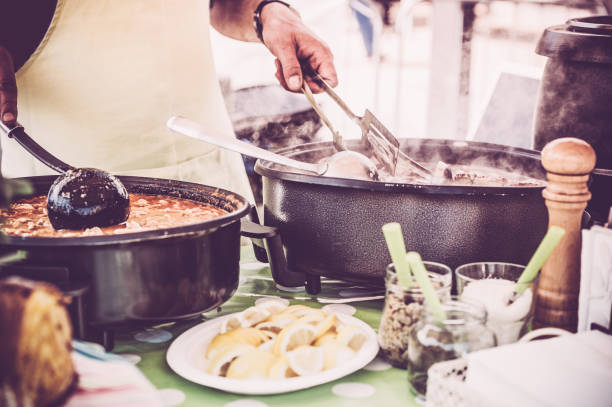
point(35, 344)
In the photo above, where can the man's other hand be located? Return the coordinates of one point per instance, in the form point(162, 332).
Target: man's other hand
point(294, 45)
point(8, 89)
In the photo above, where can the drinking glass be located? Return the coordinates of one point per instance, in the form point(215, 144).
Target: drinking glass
point(509, 320)
point(467, 273)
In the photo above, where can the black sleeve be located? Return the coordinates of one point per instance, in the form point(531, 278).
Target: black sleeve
point(23, 24)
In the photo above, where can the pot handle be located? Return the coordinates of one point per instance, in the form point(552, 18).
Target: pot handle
point(269, 248)
point(60, 277)
point(247, 227)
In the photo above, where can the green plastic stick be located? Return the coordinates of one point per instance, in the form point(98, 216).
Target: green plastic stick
point(547, 245)
point(420, 274)
point(13, 257)
point(397, 250)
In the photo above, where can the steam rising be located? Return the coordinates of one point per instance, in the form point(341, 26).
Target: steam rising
point(486, 164)
point(272, 118)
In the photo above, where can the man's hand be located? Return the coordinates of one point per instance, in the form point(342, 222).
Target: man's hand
point(294, 47)
point(8, 89)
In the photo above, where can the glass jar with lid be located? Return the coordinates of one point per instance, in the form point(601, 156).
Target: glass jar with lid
point(403, 309)
point(434, 340)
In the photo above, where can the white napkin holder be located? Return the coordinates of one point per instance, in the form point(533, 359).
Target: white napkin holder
point(571, 370)
point(595, 300)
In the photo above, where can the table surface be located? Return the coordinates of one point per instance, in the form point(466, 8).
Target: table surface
point(376, 383)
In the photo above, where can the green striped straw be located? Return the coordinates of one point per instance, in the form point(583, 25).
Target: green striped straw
point(420, 274)
point(546, 247)
point(397, 250)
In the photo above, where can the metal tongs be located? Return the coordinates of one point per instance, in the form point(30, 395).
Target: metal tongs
point(336, 137)
point(385, 147)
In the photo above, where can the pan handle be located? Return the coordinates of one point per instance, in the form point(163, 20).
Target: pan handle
point(60, 277)
point(269, 248)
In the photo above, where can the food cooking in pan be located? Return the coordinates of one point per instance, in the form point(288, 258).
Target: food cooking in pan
point(476, 175)
point(28, 217)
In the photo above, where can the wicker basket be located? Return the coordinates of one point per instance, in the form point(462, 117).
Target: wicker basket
point(446, 380)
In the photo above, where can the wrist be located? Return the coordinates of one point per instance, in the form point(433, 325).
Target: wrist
point(269, 13)
point(278, 10)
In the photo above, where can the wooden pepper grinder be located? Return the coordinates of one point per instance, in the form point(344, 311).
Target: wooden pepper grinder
point(568, 162)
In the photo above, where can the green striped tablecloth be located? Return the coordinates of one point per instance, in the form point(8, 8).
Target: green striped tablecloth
point(377, 384)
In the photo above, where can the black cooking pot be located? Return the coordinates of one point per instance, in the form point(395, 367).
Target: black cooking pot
point(575, 96)
point(332, 227)
point(155, 275)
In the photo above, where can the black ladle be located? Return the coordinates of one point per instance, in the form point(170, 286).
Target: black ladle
point(79, 198)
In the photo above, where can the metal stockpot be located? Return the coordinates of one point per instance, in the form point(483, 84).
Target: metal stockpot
point(332, 227)
point(575, 96)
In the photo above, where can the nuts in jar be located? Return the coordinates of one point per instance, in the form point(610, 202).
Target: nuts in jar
point(403, 308)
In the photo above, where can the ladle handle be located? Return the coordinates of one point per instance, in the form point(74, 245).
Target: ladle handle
point(32, 147)
point(192, 129)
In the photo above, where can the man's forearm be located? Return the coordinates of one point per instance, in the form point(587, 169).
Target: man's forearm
point(234, 18)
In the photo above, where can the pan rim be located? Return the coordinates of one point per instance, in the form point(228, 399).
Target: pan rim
point(264, 168)
point(196, 229)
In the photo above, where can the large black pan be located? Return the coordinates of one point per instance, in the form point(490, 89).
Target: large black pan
point(155, 275)
point(332, 227)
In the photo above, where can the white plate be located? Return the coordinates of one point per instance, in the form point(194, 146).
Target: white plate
point(186, 357)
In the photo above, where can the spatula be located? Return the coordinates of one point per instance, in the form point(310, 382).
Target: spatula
point(385, 147)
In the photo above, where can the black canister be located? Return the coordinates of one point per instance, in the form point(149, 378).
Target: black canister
point(575, 98)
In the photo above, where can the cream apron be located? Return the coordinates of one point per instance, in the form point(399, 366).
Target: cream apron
point(109, 73)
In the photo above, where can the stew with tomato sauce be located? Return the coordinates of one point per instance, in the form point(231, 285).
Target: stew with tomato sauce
point(28, 217)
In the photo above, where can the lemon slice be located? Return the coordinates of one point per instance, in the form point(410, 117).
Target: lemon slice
point(254, 315)
point(233, 322)
point(281, 317)
point(272, 306)
point(280, 369)
point(293, 335)
point(325, 325)
point(274, 326)
point(335, 354)
point(327, 337)
point(251, 364)
point(267, 346)
point(305, 360)
point(268, 334)
point(220, 363)
point(351, 336)
point(313, 317)
point(313, 313)
point(300, 311)
point(247, 336)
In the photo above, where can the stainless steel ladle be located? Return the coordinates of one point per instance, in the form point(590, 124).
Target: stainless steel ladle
point(343, 164)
